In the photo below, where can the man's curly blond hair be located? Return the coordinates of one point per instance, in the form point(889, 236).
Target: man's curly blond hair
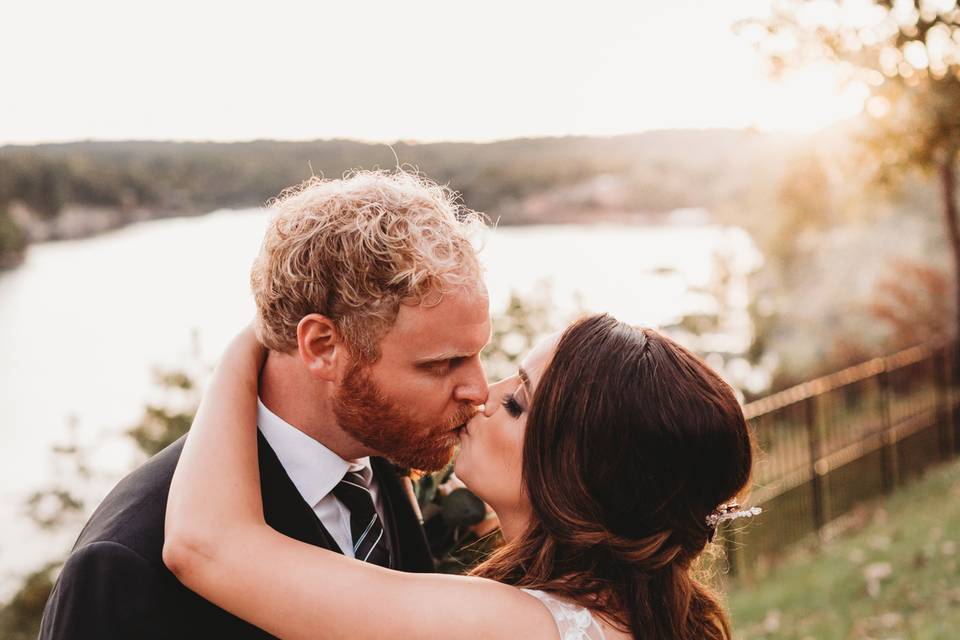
point(354, 249)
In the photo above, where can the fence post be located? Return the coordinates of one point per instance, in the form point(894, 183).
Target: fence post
point(945, 425)
point(816, 476)
point(953, 361)
point(888, 443)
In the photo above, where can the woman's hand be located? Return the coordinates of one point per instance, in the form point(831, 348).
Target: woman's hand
point(246, 347)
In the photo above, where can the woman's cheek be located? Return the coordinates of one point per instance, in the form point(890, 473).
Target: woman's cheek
point(462, 465)
point(510, 454)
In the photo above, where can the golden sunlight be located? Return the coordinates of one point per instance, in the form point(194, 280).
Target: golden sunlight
point(809, 99)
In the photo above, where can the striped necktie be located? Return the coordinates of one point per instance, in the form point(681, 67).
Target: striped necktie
point(369, 543)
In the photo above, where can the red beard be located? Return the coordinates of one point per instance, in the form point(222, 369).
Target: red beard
point(367, 415)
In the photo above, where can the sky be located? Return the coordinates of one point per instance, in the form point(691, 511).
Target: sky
point(389, 70)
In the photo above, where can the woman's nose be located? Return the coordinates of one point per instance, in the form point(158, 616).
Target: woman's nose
point(494, 399)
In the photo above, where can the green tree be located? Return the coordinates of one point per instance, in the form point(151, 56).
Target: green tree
point(163, 423)
point(516, 331)
point(51, 190)
point(20, 618)
point(804, 203)
point(907, 53)
point(13, 241)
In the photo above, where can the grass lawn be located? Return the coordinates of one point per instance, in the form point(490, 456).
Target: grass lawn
point(895, 575)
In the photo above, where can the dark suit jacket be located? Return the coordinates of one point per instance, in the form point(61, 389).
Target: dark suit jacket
point(115, 585)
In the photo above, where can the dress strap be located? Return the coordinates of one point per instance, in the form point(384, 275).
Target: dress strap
point(573, 621)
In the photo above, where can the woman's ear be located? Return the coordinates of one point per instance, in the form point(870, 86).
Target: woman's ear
point(320, 345)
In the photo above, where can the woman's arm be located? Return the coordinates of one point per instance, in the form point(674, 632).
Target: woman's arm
point(218, 545)
point(216, 483)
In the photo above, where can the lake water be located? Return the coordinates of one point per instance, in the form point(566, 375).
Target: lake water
point(83, 323)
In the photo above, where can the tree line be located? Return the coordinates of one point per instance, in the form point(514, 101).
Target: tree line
point(653, 172)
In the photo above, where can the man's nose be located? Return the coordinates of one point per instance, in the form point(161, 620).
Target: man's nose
point(473, 388)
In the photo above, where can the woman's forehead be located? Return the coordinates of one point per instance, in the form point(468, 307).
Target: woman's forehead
point(539, 357)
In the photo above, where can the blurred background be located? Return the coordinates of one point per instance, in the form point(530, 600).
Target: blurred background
point(771, 182)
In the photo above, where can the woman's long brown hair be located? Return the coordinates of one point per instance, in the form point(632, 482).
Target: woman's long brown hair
point(631, 441)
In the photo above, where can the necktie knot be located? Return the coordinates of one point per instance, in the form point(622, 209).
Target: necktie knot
point(358, 477)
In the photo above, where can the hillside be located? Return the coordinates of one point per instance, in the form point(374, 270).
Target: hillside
point(894, 576)
point(68, 190)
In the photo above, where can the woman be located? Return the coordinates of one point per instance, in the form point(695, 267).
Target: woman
point(605, 458)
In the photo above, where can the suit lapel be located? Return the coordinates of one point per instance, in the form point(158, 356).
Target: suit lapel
point(386, 479)
point(285, 510)
point(283, 507)
point(410, 549)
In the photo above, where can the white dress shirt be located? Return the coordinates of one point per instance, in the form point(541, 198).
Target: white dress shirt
point(315, 470)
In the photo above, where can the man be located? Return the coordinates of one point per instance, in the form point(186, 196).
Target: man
point(371, 304)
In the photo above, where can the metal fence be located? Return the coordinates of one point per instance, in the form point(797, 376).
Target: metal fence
point(828, 444)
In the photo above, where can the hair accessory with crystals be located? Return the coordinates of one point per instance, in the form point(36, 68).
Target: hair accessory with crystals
point(729, 511)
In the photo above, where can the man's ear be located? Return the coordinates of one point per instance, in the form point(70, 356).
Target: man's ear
point(321, 347)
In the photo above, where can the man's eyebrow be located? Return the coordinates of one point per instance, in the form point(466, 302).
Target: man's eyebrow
point(450, 355)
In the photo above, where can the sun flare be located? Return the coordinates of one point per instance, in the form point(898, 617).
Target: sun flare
point(808, 100)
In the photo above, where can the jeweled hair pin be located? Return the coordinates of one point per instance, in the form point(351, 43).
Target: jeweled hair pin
point(729, 511)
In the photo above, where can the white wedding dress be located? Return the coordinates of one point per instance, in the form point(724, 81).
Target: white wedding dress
point(573, 621)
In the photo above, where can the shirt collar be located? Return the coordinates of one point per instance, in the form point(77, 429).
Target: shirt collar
point(313, 468)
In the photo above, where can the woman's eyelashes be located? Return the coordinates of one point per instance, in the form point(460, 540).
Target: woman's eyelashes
point(511, 405)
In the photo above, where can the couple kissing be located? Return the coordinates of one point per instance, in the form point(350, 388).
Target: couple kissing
point(609, 457)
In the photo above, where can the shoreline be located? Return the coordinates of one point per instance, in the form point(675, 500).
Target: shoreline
point(78, 222)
